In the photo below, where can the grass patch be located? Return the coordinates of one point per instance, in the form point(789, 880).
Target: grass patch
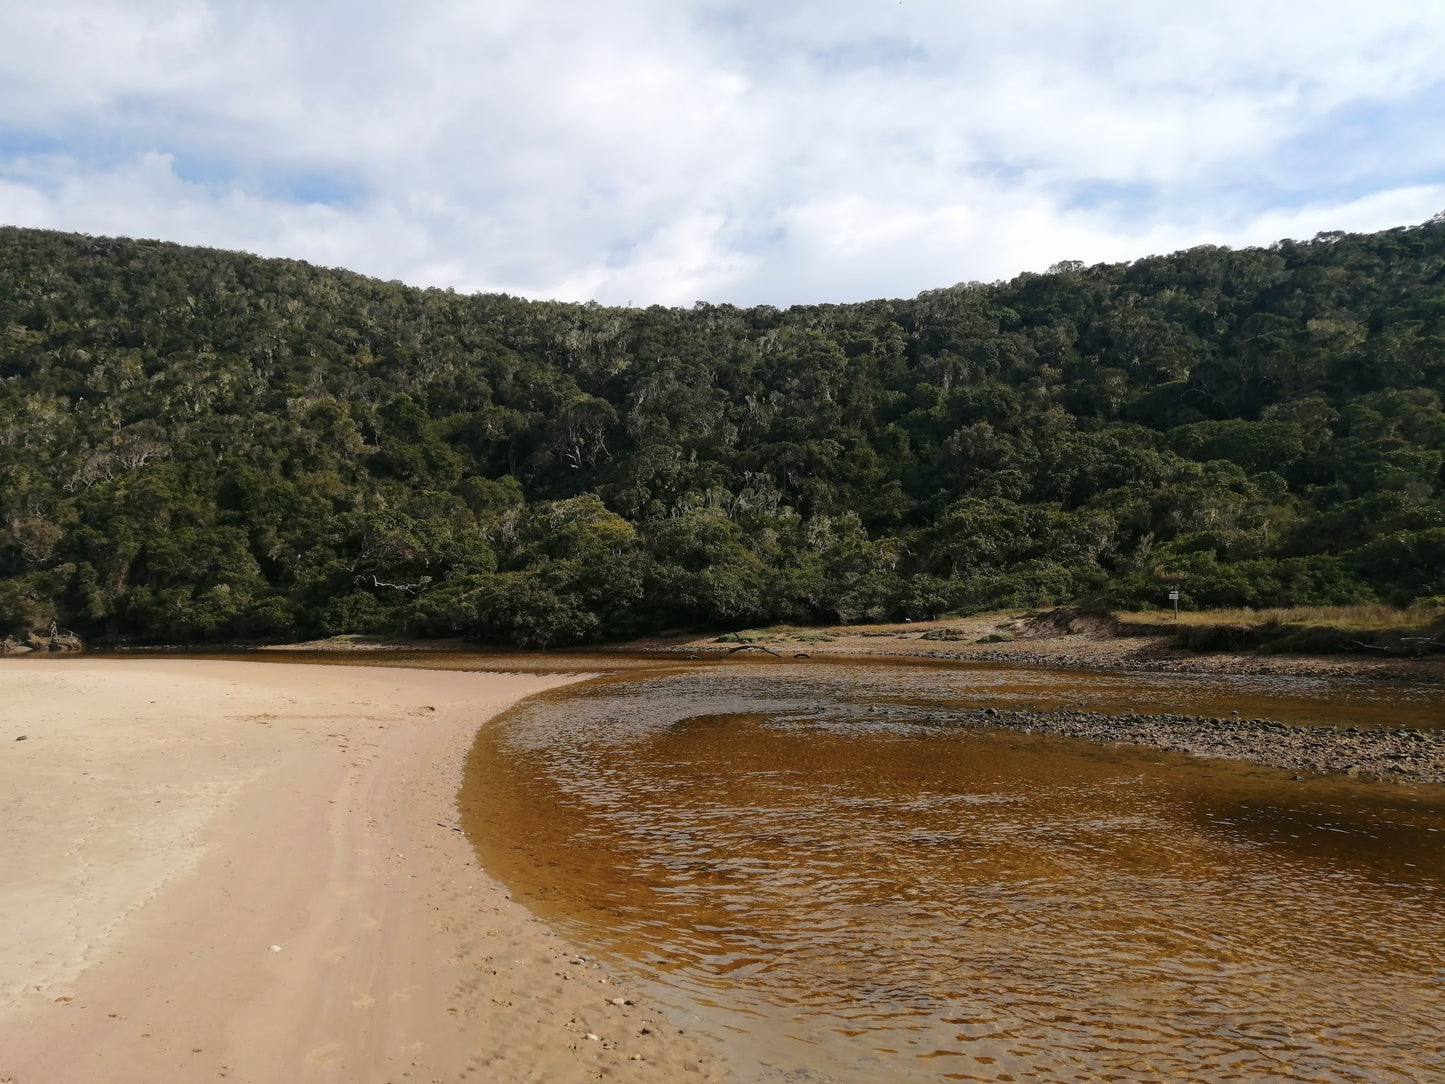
point(947, 634)
point(1313, 630)
point(747, 636)
point(777, 634)
point(1374, 618)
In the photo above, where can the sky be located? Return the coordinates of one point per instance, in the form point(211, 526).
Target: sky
point(744, 151)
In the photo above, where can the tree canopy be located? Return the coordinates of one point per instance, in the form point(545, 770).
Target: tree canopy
point(201, 445)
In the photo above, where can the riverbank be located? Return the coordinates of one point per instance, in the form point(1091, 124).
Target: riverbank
point(245, 871)
point(1064, 640)
point(1222, 642)
point(1055, 638)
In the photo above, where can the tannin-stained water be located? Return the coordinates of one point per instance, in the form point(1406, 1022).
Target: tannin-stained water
point(857, 895)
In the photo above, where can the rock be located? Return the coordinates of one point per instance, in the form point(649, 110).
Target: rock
point(56, 640)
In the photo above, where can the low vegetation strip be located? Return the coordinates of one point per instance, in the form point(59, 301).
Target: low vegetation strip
point(1373, 618)
point(1410, 631)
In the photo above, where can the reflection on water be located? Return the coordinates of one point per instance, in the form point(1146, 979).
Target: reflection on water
point(875, 896)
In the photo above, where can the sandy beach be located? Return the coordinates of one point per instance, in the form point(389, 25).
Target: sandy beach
point(254, 872)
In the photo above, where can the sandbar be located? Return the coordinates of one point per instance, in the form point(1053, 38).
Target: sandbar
point(250, 871)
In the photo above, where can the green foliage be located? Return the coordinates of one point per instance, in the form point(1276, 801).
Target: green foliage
point(198, 445)
point(1404, 566)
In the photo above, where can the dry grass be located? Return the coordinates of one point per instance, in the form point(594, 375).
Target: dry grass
point(777, 634)
point(1375, 618)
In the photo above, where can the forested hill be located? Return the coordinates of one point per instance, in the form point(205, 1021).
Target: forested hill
point(201, 445)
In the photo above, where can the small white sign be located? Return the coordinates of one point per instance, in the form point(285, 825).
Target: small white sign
point(1173, 596)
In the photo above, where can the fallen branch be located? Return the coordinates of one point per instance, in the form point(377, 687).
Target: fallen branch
point(754, 647)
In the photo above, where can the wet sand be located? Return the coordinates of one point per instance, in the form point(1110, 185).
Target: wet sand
point(253, 872)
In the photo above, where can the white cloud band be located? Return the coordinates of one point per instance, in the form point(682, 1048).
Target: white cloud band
point(657, 151)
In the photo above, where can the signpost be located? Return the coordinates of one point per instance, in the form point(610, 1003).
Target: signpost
point(1174, 598)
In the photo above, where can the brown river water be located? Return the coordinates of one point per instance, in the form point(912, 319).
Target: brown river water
point(797, 856)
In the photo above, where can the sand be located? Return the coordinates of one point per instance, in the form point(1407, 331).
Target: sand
point(253, 872)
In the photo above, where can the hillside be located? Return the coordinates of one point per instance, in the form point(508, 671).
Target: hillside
point(201, 445)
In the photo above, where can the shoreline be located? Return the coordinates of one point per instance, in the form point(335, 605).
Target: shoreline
point(1055, 639)
point(1401, 755)
point(255, 872)
point(1060, 638)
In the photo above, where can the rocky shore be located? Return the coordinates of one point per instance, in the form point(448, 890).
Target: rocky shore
point(1412, 671)
point(1403, 755)
point(56, 640)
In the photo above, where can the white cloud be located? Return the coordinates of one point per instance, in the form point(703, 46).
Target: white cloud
point(667, 151)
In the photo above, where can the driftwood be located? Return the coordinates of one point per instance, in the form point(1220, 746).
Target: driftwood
point(754, 647)
point(1368, 647)
point(1415, 645)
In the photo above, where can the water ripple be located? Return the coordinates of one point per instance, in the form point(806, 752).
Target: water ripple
point(869, 897)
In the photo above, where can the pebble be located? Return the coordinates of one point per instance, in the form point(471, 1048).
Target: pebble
point(1404, 754)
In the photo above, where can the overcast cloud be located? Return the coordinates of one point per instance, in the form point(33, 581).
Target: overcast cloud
point(667, 151)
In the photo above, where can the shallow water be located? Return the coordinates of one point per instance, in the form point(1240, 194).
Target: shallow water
point(848, 887)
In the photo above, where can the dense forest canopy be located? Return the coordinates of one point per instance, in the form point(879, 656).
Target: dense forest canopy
point(200, 445)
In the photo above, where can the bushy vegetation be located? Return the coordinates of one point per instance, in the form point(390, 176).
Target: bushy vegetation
point(200, 445)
